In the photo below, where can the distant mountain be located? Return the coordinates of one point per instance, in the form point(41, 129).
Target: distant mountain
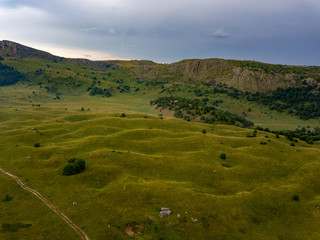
point(12, 49)
point(241, 75)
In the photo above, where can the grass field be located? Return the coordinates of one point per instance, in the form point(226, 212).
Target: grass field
point(139, 163)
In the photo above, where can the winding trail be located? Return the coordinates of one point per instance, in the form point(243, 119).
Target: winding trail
point(53, 208)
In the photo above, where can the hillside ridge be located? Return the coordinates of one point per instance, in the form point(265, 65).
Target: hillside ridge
point(245, 76)
point(10, 49)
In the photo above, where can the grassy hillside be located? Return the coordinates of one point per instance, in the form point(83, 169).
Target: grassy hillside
point(219, 181)
point(139, 163)
point(231, 83)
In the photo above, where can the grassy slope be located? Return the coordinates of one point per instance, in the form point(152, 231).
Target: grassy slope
point(72, 79)
point(139, 163)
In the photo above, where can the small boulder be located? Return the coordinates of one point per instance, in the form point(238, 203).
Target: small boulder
point(164, 212)
point(194, 220)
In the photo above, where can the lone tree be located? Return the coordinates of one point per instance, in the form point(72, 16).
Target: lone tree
point(223, 156)
point(74, 166)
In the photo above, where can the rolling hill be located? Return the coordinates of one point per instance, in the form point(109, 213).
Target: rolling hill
point(154, 136)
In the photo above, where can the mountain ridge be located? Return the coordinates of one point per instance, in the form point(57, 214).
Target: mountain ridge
point(245, 76)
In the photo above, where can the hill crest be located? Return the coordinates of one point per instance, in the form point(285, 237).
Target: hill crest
point(242, 75)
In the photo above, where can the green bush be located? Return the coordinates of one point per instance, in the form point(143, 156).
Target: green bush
point(74, 166)
point(223, 156)
point(204, 131)
point(6, 198)
point(295, 197)
point(36, 145)
point(123, 115)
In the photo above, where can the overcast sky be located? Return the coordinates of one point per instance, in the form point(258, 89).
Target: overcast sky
point(274, 31)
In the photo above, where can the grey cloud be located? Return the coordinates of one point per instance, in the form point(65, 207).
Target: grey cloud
point(220, 33)
point(169, 30)
point(89, 29)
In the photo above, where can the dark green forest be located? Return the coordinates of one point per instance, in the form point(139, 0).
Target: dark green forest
point(302, 101)
point(8, 75)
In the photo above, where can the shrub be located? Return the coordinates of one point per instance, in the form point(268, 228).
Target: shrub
point(254, 134)
point(123, 115)
point(68, 170)
point(36, 145)
point(74, 166)
point(295, 197)
point(204, 131)
point(292, 144)
point(6, 198)
point(223, 156)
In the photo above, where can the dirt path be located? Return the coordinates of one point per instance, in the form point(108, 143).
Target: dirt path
point(53, 208)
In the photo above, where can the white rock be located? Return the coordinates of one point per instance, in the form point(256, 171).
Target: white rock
point(164, 212)
point(194, 220)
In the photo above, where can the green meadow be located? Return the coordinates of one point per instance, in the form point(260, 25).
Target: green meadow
point(140, 162)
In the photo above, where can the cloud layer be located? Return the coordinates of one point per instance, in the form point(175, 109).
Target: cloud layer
point(277, 31)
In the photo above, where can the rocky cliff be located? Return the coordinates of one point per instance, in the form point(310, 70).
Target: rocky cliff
point(242, 75)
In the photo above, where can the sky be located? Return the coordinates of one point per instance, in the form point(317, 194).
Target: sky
point(273, 31)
